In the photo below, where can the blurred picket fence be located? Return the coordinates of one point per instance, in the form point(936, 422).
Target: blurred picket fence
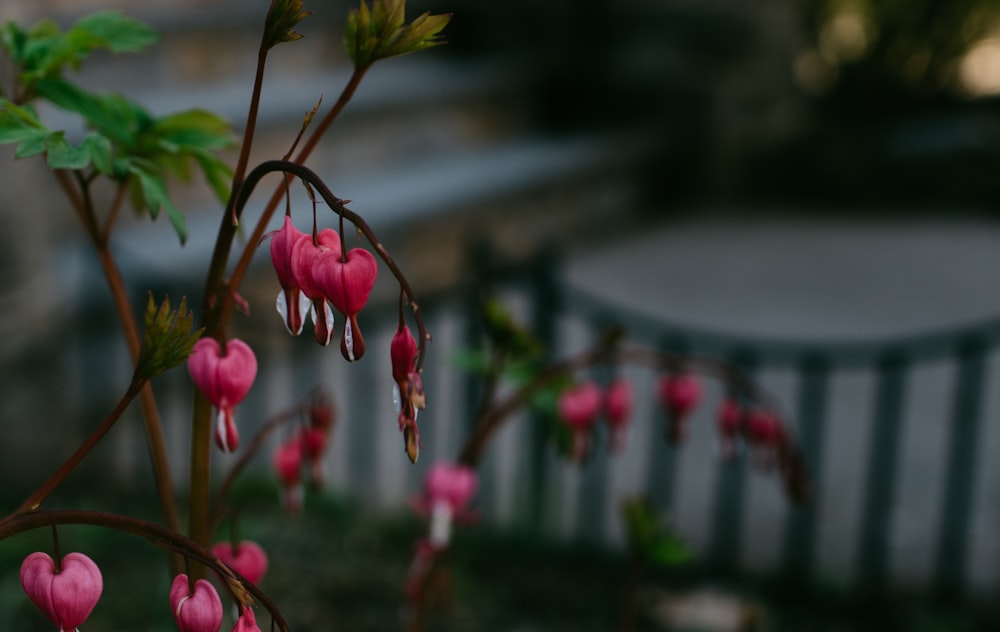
point(895, 433)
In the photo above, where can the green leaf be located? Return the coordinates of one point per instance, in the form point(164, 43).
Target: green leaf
point(148, 190)
point(117, 32)
point(218, 175)
point(282, 17)
point(44, 51)
point(101, 153)
point(199, 129)
point(61, 155)
point(113, 115)
point(12, 39)
point(669, 551)
point(31, 146)
point(18, 124)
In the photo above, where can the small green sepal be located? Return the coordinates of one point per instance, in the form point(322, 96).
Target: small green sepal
point(282, 17)
point(381, 31)
point(168, 340)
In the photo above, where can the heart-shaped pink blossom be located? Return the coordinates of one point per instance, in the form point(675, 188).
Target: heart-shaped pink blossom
point(291, 302)
point(200, 611)
point(67, 596)
point(225, 380)
point(347, 281)
point(453, 484)
point(303, 258)
point(246, 558)
point(580, 405)
point(618, 401)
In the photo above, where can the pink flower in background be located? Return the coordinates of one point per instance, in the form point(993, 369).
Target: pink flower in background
point(291, 303)
point(67, 596)
point(247, 621)
point(347, 281)
point(765, 434)
point(730, 424)
point(448, 489)
point(246, 558)
point(618, 399)
point(305, 253)
point(579, 407)
point(225, 380)
point(287, 463)
point(679, 394)
point(197, 611)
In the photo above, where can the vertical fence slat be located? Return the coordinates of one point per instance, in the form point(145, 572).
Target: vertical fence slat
point(814, 376)
point(873, 552)
point(730, 492)
point(952, 546)
point(546, 305)
point(661, 474)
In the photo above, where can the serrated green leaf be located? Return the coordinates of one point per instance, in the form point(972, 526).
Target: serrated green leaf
point(18, 123)
point(31, 147)
point(44, 50)
point(194, 129)
point(150, 190)
point(62, 155)
point(112, 115)
point(101, 153)
point(218, 174)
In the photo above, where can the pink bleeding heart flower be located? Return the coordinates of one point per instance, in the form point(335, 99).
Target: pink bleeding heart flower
point(679, 394)
point(579, 407)
point(287, 462)
point(291, 303)
point(766, 435)
point(305, 254)
point(347, 281)
point(65, 596)
point(408, 390)
point(618, 400)
point(448, 489)
point(247, 621)
point(198, 611)
point(225, 380)
point(246, 558)
point(729, 419)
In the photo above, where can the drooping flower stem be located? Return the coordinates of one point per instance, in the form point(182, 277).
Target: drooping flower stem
point(242, 591)
point(35, 500)
point(494, 414)
point(240, 269)
point(81, 201)
point(218, 300)
point(337, 206)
